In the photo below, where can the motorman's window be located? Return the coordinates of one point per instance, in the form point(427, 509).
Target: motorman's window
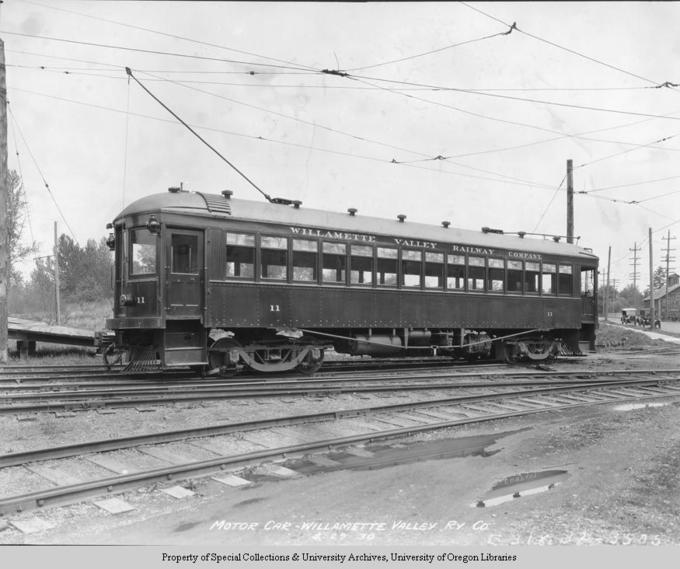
point(361, 265)
point(496, 281)
point(476, 273)
point(515, 276)
point(587, 282)
point(387, 266)
point(411, 267)
point(549, 279)
point(434, 270)
point(240, 255)
point(334, 264)
point(142, 252)
point(304, 259)
point(532, 274)
point(184, 253)
point(274, 258)
point(455, 272)
point(565, 280)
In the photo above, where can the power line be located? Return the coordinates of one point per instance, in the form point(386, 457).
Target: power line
point(598, 61)
point(165, 34)
point(509, 97)
point(666, 138)
point(547, 207)
point(438, 50)
point(150, 51)
point(631, 184)
point(428, 157)
point(35, 162)
point(286, 143)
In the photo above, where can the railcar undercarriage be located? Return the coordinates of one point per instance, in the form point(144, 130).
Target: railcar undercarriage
point(225, 352)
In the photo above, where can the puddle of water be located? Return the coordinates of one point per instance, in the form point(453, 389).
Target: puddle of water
point(520, 485)
point(385, 455)
point(633, 406)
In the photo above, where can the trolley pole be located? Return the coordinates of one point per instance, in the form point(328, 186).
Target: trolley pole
point(4, 201)
point(56, 275)
point(570, 201)
point(651, 278)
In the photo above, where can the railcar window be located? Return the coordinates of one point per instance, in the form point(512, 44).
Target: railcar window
point(496, 282)
point(476, 273)
point(142, 252)
point(240, 255)
point(434, 270)
point(549, 279)
point(361, 265)
point(455, 272)
point(564, 280)
point(274, 258)
point(532, 274)
point(411, 267)
point(184, 254)
point(515, 276)
point(304, 259)
point(387, 266)
point(334, 263)
point(587, 282)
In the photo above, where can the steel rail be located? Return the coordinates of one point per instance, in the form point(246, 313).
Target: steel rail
point(185, 434)
point(71, 492)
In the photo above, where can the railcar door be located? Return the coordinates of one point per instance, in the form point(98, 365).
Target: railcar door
point(184, 292)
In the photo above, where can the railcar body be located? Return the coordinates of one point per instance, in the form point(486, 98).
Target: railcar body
point(217, 283)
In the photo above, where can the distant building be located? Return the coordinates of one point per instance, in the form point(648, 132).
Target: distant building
point(666, 303)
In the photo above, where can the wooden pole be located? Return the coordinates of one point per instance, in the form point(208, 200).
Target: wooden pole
point(651, 278)
point(56, 275)
point(4, 201)
point(606, 296)
point(570, 201)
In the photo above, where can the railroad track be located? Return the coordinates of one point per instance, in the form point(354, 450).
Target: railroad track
point(108, 466)
point(21, 398)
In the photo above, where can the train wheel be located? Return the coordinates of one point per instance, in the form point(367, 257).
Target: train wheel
point(312, 362)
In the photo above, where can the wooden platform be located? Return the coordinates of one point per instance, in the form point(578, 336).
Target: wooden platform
point(28, 332)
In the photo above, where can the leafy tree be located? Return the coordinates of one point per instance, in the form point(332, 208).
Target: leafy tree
point(631, 297)
point(659, 277)
point(16, 218)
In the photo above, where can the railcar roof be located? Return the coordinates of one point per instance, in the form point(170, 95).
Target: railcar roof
point(209, 204)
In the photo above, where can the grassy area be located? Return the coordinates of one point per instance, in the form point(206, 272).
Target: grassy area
point(612, 337)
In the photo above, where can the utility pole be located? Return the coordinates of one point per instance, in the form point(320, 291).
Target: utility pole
point(570, 201)
point(651, 278)
point(668, 250)
point(606, 296)
point(56, 275)
point(4, 201)
point(635, 251)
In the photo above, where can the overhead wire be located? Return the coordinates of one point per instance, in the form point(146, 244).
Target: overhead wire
point(547, 207)
point(150, 51)
point(166, 34)
point(37, 166)
point(284, 143)
point(21, 176)
point(574, 52)
point(224, 158)
point(430, 52)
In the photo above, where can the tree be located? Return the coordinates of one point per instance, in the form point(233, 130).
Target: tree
point(659, 277)
point(16, 218)
point(84, 272)
point(631, 297)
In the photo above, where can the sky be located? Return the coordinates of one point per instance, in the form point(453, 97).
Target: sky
point(435, 111)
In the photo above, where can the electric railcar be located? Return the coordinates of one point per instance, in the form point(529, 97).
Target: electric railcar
point(217, 284)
